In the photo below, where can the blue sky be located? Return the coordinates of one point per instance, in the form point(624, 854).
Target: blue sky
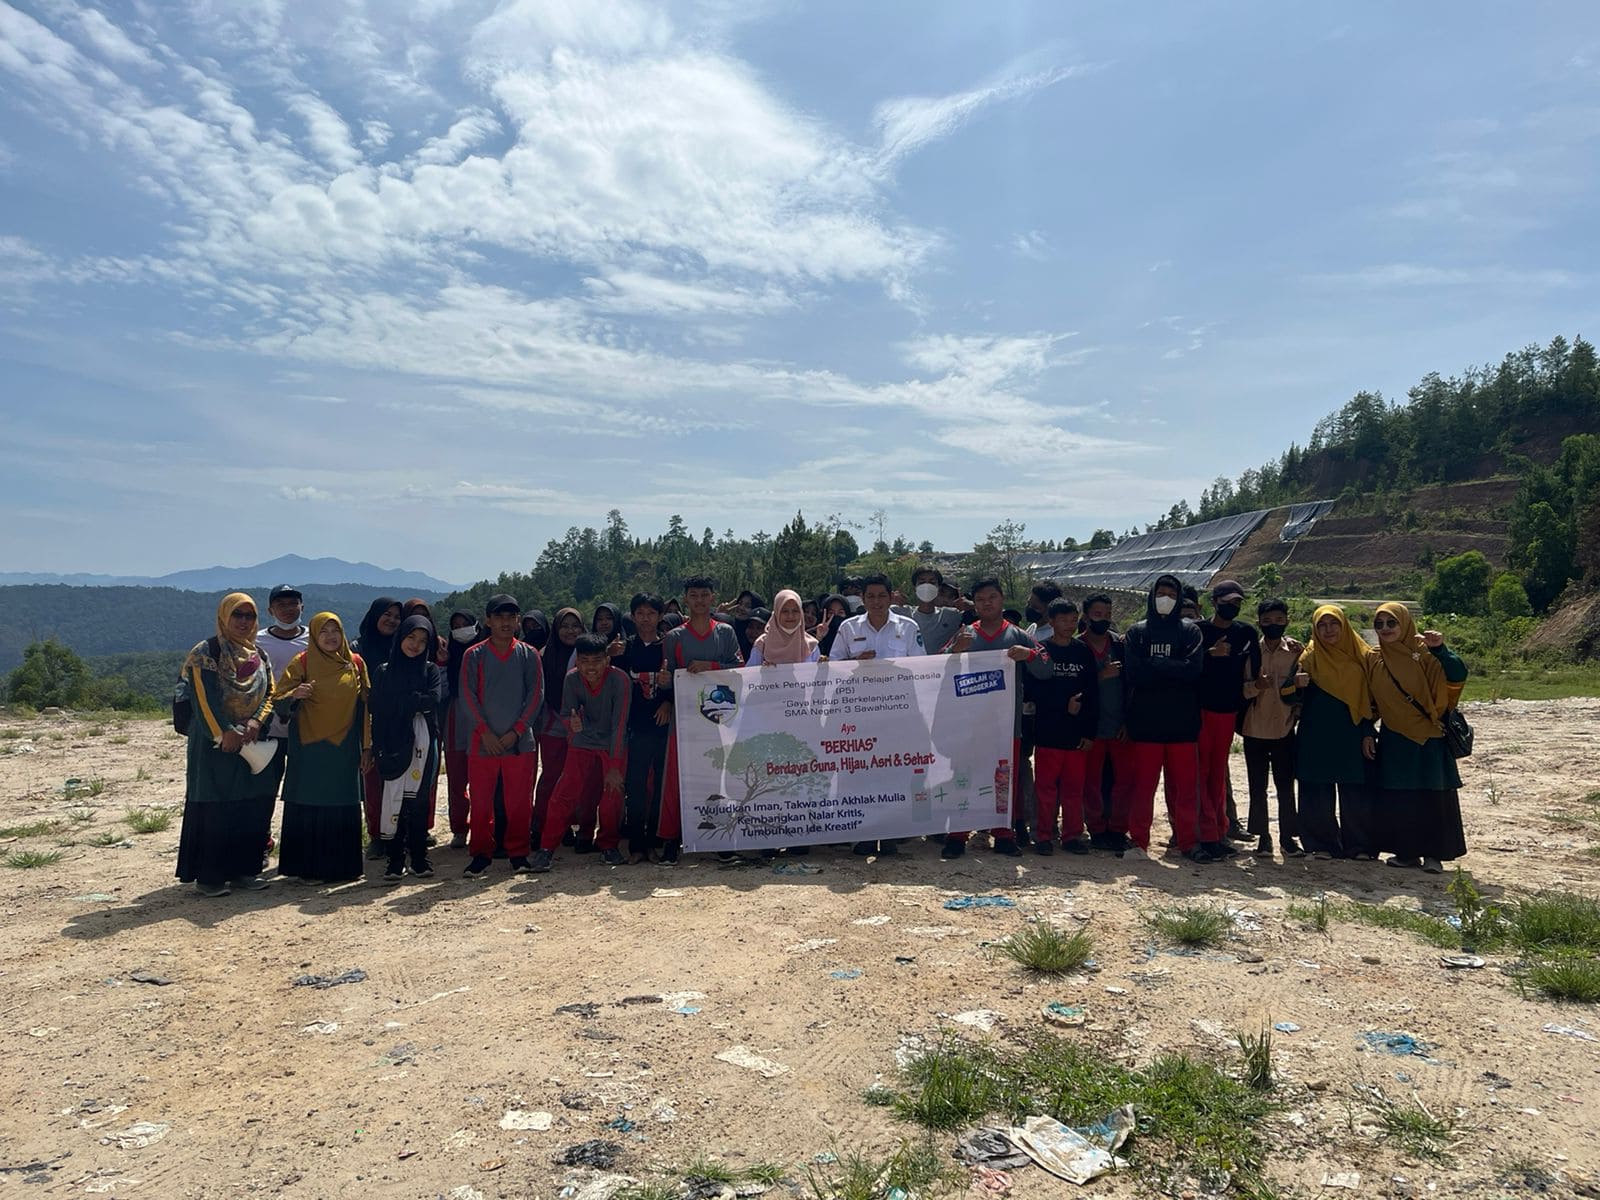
point(425, 284)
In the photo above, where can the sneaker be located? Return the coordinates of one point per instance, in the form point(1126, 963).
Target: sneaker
point(1237, 832)
point(585, 846)
point(394, 874)
point(1104, 840)
point(864, 849)
point(1324, 856)
point(1431, 865)
point(521, 866)
point(1007, 846)
point(1076, 846)
point(1404, 863)
point(892, 846)
point(1044, 847)
point(1199, 854)
point(541, 862)
point(213, 889)
point(669, 854)
point(377, 849)
point(727, 856)
point(1291, 848)
point(1264, 847)
point(613, 858)
point(952, 849)
point(422, 870)
point(458, 842)
point(477, 867)
point(251, 883)
point(1220, 850)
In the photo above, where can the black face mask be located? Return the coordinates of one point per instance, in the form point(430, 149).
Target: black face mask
point(1227, 611)
point(1099, 627)
point(1273, 632)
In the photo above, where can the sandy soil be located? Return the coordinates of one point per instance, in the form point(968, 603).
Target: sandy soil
point(397, 1086)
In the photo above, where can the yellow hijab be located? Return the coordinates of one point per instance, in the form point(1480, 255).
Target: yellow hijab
point(240, 665)
point(340, 684)
point(1406, 663)
point(1340, 669)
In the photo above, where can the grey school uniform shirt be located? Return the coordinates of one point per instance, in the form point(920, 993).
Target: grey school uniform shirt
point(501, 694)
point(604, 711)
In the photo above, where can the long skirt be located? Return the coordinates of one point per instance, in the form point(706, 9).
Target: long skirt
point(1422, 823)
point(322, 811)
point(225, 818)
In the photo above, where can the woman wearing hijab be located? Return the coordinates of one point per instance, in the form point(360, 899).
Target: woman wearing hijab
point(834, 612)
point(1415, 680)
point(374, 641)
point(329, 747)
point(535, 629)
point(1336, 740)
point(465, 632)
point(568, 626)
point(408, 695)
point(228, 684)
point(785, 639)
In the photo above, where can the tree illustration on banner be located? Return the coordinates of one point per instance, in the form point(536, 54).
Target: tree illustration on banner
point(745, 764)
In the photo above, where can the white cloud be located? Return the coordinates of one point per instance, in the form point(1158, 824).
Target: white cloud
point(1423, 275)
point(472, 129)
point(306, 493)
point(1034, 244)
point(112, 42)
point(330, 136)
point(908, 123)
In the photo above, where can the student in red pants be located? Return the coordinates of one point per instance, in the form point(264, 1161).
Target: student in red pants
point(1163, 658)
point(992, 631)
point(1232, 655)
point(594, 703)
point(502, 690)
point(699, 644)
point(1107, 821)
point(464, 633)
point(1066, 702)
point(551, 729)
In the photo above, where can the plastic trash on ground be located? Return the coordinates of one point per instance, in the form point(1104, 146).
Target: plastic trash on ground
point(743, 1056)
point(515, 1118)
point(960, 902)
point(1058, 1013)
point(354, 975)
point(1076, 1155)
point(989, 1147)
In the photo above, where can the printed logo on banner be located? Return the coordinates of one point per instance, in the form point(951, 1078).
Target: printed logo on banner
point(718, 704)
point(976, 683)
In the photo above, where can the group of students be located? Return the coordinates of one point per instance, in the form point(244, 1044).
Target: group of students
point(552, 732)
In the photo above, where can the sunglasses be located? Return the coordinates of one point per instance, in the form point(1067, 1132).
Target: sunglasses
point(1386, 623)
point(241, 614)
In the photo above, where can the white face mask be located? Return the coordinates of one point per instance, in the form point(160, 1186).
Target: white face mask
point(465, 634)
point(787, 627)
point(1165, 605)
point(927, 592)
point(291, 624)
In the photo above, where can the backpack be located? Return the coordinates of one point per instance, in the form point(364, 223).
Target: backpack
point(182, 705)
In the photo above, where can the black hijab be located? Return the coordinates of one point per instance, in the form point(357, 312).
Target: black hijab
point(458, 650)
point(617, 628)
point(393, 691)
point(371, 644)
point(540, 636)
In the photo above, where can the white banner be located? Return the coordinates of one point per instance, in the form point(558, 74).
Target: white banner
point(845, 751)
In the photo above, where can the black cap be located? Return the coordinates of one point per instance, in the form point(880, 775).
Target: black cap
point(282, 592)
point(1226, 587)
point(502, 603)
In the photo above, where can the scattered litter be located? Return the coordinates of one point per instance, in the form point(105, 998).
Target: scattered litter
point(1250, 956)
point(137, 1137)
point(1246, 921)
point(460, 1140)
point(665, 893)
point(1569, 1031)
point(938, 931)
point(807, 947)
point(1342, 1179)
point(905, 959)
point(978, 1018)
point(1308, 964)
point(43, 1031)
point(995, 1183)
point(1461, 962)
point(628, 1001)
point(515, 1118)
point(989, 1147)
point(597, 1035)
point(149, 977)
point(1113, 990)
point(1076, 1155)
point(1395, 1043)
point(491, 1164)
point(782, 867)
point(881, 919)
point(847, 973)
point(594, 1153)
point(699, 1187)
point(743, 1056)
point(354, 975)
point(622, 1125)
point(321, 1027)
point(675, 999)
point(463, 1193)
point(599, 1074)
point(1494, 1080)
point(601, 1189)
point(825, 1157)
point(1058, 1013)
point(686, 1010)
point(1286, 1027)
point(408, 1153)
point(663, 1112)
point(960, 902)
point(100, 896)
point(439, 995)
point(580, 1010)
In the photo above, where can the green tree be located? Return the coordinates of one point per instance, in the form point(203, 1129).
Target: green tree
point(1508, 598)
point(51, 676)
point(1269, 578)
point(1460, 585)
point(1102, 539)
point(1546, 556)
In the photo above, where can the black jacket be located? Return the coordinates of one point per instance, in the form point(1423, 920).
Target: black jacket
point(1056, 676)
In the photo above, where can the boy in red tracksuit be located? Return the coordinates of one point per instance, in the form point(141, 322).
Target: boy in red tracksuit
point(1232, 655)
point(1066, 701)
point(502, 689)
point(992, 631)
point(594, 703)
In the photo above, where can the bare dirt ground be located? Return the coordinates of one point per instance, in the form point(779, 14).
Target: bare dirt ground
point(399, 1085)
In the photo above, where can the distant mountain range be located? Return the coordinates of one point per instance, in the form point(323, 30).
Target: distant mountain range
point(290, 568)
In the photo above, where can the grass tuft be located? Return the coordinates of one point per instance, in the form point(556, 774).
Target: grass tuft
point(1574, 977)
point(25, 860)
point(141, 775)
point(952, 1084)
point(1434, 930)
point(769, 1173)
point(878, 1096)
point(1044, 949)
point(105, 838)
point(31, 829)
point(702, 1167)
point(1414, 1128)
point(148, 820)
point(1257, 1052)
point(653, 1189)
point(914, 1169)
point(1193, 925)
point(1555, 921)
point(80, 816)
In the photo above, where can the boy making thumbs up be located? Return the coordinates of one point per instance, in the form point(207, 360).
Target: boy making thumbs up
point(594, 704)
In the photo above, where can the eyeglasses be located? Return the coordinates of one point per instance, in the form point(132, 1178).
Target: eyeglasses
point(1386, 623)
point(241, 614)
